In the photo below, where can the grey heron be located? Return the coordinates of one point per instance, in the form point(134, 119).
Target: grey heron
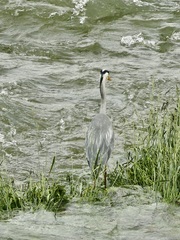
point(100, 137)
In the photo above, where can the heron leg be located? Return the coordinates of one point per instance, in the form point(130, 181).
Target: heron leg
point(94, 184)
point(105, 177)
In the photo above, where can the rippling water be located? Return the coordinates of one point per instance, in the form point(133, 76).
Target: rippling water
point(50, 56)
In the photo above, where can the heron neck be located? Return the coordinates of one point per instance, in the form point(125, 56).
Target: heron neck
point(103, 96)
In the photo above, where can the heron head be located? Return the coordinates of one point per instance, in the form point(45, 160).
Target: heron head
point(105, 74)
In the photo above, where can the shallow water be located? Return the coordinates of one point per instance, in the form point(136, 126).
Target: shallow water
point(110, 221)
point(50, 56)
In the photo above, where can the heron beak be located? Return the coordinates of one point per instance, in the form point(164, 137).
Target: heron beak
point(109, 78)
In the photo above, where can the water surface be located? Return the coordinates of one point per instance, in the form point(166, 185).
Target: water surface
point(50, 56)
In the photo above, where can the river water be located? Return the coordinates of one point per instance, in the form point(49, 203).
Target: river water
point(51, 53)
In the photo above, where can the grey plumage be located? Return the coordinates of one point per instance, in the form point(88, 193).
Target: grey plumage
point(100, 137)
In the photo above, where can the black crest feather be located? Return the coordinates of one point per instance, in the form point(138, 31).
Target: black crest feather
point(103, 71)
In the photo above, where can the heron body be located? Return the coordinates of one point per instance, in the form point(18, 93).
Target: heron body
point(100, 137)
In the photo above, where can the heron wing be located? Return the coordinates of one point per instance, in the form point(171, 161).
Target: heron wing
point(99, 140)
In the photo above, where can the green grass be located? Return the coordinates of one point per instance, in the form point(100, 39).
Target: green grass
point(45, 193)
point(33, 195)
point(154, 160)
point(84, 189)
point(9, 196)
